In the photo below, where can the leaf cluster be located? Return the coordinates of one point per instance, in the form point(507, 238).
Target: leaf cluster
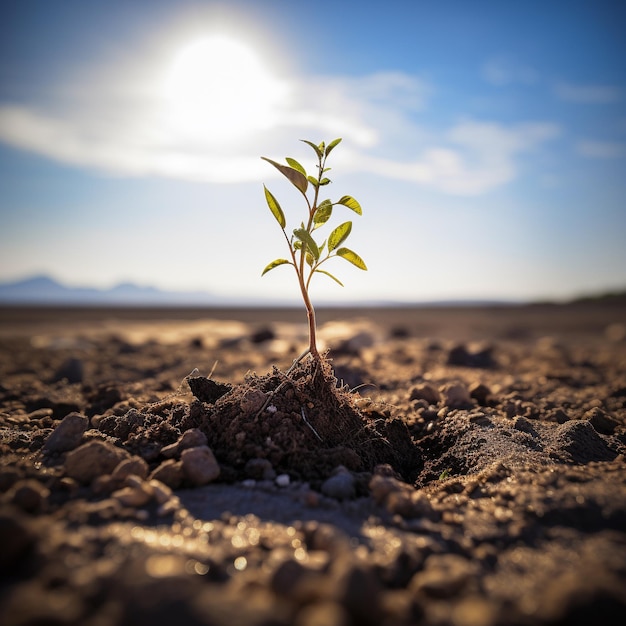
point(306, 254)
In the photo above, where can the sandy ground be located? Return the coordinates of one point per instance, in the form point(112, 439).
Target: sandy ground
point(457, 466)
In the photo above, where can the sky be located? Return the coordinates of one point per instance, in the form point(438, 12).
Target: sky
point(485, 142)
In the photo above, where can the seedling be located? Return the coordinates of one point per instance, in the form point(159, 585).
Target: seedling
point(306, 256)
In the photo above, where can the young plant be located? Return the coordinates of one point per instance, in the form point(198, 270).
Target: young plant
point(307, 256)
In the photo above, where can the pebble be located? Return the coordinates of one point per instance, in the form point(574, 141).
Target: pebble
point(260, 469)
point(341, 485)
point(443, 576)
point(481, 393)
point(133, 496)
point(134, 466)
point(29, 495)
point(170, 473)
point(199, 465)
point(68, 434)
point(456, 396)
point(72, 370)
point(425, 392)
point(603, 423)
point(93, 459)
point(282, 480)
point(191, 438)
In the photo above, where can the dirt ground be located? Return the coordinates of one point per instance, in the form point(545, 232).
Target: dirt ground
point(447, 466)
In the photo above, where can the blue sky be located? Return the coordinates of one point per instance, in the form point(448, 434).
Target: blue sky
point(485, 141)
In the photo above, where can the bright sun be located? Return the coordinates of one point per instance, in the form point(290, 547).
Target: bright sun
point(218, 88)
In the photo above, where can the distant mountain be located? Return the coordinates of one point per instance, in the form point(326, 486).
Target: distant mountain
point(45, 290)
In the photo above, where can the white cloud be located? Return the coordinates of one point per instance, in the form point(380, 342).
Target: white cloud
point(601, 149)
point(122, 125)
point(472, 157)
point(588, 94)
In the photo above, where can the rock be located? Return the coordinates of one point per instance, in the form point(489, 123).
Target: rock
point(425, 392)
point(199, 465)
point(135, 496)
point(191, 438)
point(481, 393)
point(381, 486)
point(170, 473)
point(341, 485)
point(162, 493)
point(29, 495)
point(359, 591)
point(456, 396)
point(71, 370)
point(353, 345)
point(253, 401)
point(603, 423)
point(325, 613)
point(443, 576)
point(134, 466)
point(262, 334)
point(93, 459)
point(260, 469)
point(461, 356)
point(282, 480)
point(67, 435)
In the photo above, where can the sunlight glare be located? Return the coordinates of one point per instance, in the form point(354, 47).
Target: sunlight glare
point(217, 88)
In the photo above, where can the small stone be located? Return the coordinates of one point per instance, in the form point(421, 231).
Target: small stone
point(456, 396)
point(262, 335)
point(382, 486)
point(29, 495)
point(170, 473)
point(199, 465)
point(324, 613)
point(603, 423)
point(162, 493)
point(191, 438)
point(68, 434)
point(481, 393)
point(253, 401)
point(425, 392)
point(133, 496)
point(133, 466)
point(71, 370)
point(93, 459)
point(443, 576)
point(341, 485)
point(282, 480)
point(461, 356)
point(260, 469)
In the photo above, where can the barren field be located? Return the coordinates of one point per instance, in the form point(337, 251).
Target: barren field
point(447, 466)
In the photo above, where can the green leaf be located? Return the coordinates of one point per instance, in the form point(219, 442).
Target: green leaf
point(305, 237)
point(272, 203)
point(294, 176)
point(339, 235)
point(332, 145)
point(323, 213)
point(351, 203)
point(319, 153)
point(353, 257)
point(309, 259)
point(325, 181)
point(313, 181)
point(274, 264)
point(296, 165)
point(331, 276)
